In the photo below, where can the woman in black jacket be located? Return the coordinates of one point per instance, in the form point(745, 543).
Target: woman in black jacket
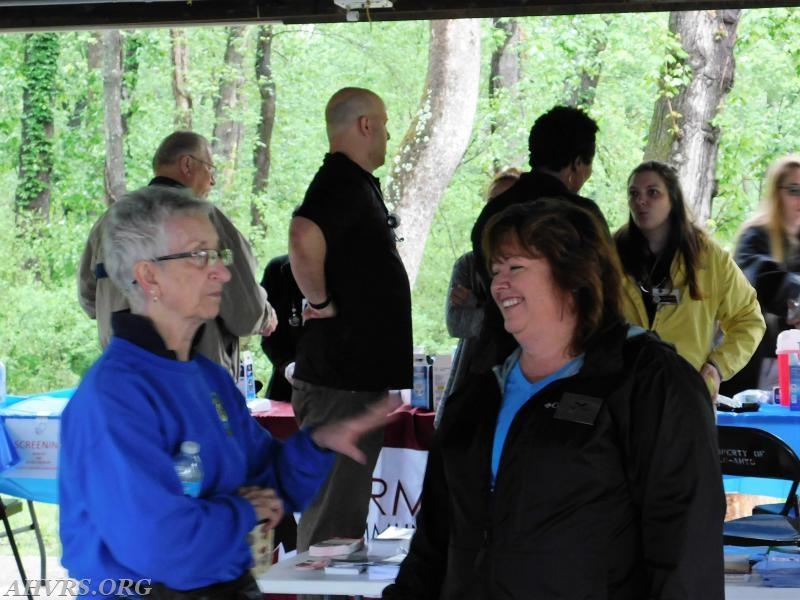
point(768, 252)
point(281, 346)
point(588, 466)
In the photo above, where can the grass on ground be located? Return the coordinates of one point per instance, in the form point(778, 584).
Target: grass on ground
point(47, 515)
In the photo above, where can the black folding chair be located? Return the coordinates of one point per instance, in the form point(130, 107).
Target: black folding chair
point(12, 506)
point(750, 452)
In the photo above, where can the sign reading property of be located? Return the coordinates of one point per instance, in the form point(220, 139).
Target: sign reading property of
point(741, 456)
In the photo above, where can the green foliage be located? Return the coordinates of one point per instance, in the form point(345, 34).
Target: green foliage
point(36, 156)
point(310, 62)
point(759, 117)
point(47, 515)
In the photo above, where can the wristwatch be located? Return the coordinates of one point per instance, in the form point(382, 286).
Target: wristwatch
point(321, 305)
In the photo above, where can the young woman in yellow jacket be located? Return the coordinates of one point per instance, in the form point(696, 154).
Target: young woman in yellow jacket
point(680, 283)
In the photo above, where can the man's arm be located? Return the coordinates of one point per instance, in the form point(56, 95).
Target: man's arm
point(307, 249)
point(244, 309)
point(87, 279)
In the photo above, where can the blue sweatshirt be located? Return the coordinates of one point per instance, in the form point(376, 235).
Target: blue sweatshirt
point(123, 511)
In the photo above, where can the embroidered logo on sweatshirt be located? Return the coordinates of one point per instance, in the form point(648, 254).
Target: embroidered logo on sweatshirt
point(221, 413)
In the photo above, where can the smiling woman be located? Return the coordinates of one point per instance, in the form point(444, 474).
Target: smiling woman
point(587, 466)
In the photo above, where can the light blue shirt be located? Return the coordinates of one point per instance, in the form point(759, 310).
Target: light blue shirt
point(516, 393)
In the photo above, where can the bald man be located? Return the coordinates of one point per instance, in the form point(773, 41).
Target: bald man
point(183, 160)
point(356, 340)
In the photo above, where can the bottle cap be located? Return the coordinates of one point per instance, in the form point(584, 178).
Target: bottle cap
point(788, 341)
point(190, 447)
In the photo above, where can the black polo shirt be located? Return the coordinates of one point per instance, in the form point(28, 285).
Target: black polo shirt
point(368, 345)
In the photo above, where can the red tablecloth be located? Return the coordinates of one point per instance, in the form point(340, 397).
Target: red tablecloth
point(408, 428)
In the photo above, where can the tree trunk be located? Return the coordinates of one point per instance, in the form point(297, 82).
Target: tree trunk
point(681, 131)
point(94, 62)
point(112, 92)
point(227, 129)
point(504, 68)
point(266, 89)
point(180, 68)
point(438, 134)
point(36, 145)
point(130, 76)
point(504, 71)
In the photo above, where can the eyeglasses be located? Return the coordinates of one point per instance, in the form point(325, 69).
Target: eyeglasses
point(211, 166)
point(202, 258)
point(792, 190)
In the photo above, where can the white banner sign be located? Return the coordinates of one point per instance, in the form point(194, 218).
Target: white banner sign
point(396, 489)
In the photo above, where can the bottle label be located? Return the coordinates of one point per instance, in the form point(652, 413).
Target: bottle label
point(191, 488)
point(794, 383)
point(420, 392)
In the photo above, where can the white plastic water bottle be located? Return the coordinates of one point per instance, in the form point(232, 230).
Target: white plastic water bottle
point(247, 380)
point(421, 392)
point(189, 468)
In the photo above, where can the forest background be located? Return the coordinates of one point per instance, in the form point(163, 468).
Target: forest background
point(81, 114)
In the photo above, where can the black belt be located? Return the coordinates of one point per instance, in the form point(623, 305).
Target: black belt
point(243, 588)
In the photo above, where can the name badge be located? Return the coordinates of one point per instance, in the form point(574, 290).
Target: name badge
point(666, 296)
point(578, 408)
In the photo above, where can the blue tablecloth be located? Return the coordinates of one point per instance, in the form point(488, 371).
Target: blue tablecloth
point(775, 419)
point(41, 487)
point(779, 420)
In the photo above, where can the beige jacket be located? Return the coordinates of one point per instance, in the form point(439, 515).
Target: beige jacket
point(243, 310)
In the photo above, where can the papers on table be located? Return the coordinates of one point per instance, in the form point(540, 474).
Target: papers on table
point(376, 569)
point(395, 533)
point(339, 567)
point(386, 568)
point(336, 547)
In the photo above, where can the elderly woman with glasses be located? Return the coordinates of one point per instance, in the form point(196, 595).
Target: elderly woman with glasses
point(768, 252)
point(586, 466)
point(124, 514)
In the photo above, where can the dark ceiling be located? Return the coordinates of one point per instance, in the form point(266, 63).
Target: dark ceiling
point(32, 15)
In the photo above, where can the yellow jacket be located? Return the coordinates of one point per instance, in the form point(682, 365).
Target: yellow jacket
point(728, 302)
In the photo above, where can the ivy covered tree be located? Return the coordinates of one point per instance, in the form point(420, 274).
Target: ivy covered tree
point(39, 69)
point(694, 87)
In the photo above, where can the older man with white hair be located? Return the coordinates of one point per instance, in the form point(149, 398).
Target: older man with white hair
point(183, 160)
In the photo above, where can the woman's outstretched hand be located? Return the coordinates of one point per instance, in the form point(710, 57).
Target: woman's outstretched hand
point(342, 436)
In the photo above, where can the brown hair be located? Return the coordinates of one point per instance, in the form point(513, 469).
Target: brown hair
point(508, 175)
point(581, 256)
point(684, 236)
